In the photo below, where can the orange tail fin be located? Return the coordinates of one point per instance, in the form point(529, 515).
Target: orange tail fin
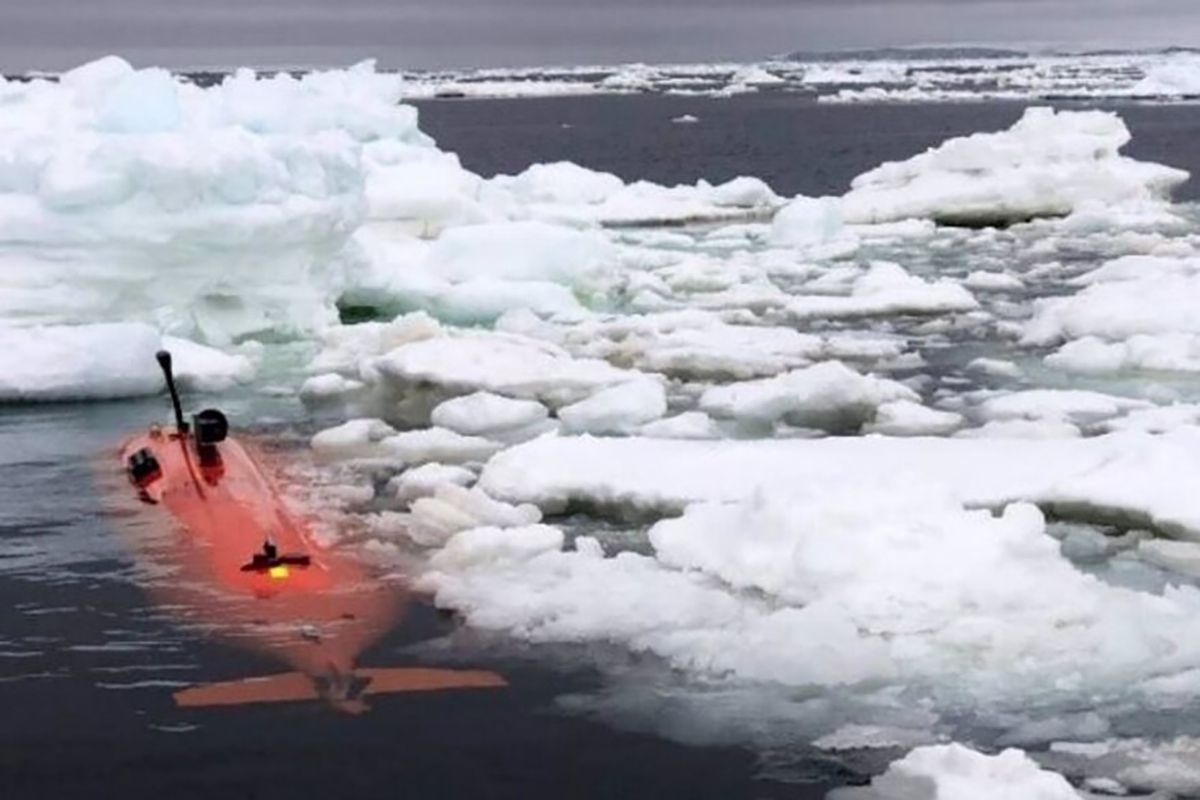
point(294, 687)
point(417, 679)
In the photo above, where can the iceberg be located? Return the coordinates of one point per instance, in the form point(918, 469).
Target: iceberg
point(216, 212)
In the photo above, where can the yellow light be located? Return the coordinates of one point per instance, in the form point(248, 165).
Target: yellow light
point(279, 572)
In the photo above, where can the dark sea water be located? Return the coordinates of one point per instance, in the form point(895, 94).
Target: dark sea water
point(89, 659)
point(795, 144)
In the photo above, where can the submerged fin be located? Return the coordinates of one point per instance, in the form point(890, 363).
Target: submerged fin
point(288, 687)
point(294, 687)
point(418, 679)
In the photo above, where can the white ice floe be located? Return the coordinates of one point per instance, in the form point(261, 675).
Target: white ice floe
point(489, 545)
point(806, 221)
point(435, 518)
point(356, 438)
point(886, 288)
point(402, 370)
point(438, 445)
point(373, 440)
point(1044, 428)
point(1124, 298)
point(476, 273)
point(423, 481)
point(857, 736)
point(698, 344)
point(1075, 406)
point(106, 360)
point(249, 207)
point(955, 772)
point(995, 366)
point(1167, 352)
point(829, 396)
point(1113, 766)
point(505, 364)
point(1134, 313)
point(1136, 765)
point(855, 73)
point(982, 281)
point(1048, 164)
point(884, 580)
point(617, 409)
point(521, 251)
point(329, 386)
point(1127, 476)
point(347, 350)
point(483, 413)
point(929, 77)
point(1175, 77)
point(688, 425)
point(908, 418)
point(566, 192)
point(1159, 419)
point(207, 369)
point(215, 210)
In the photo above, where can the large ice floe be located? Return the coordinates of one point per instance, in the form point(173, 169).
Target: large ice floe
point(1048, 164)
point(1132, 313)
point(866, 472)
point(250, 208)
point(105, 361)
point(214, 212)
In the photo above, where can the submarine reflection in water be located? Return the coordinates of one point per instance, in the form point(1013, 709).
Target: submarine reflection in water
point(227, 554)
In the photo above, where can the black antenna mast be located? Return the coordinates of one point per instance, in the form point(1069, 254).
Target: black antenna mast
point(164, 361)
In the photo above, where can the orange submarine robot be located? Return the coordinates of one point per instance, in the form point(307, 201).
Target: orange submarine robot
point(236, 560)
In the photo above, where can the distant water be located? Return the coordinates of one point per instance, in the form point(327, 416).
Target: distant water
point(796, 144)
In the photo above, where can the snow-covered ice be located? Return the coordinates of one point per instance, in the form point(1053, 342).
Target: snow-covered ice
point(106, 360)
point(1130, 476)
point(617, 409)
point(956, 772)
point(1048, 164)
point(829, 396)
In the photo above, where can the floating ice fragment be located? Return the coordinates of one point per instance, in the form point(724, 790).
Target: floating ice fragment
point(830, 396)
point(617, 409)
point(482, 413)
point(356, 438)
point(908, 418)
point(955, 772)
point(438, 444)
point(423, 481)
point(886, 288)
point(1047, 165)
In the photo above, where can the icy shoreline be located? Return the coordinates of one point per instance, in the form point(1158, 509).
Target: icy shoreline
point(928, 76)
